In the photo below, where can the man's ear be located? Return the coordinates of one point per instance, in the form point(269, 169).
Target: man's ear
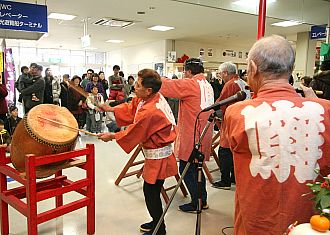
point(252, 68)
point(149, 90)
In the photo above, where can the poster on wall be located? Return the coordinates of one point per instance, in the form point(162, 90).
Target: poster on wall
point(159, 67)
point(210, 52)
point(240, 55)
point(201, 52)
point(10, 75)
point(171, 56)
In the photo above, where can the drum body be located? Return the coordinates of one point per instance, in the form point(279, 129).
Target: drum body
point(38, 136)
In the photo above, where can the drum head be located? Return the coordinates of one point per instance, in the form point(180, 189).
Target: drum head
point(49, 131)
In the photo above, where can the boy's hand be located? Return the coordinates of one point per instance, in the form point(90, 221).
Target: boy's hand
point(106, 136)
point(106, 107)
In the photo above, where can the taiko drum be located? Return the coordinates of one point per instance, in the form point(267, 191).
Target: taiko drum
point(40, 137)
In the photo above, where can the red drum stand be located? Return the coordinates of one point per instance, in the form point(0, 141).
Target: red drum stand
point(35, 192)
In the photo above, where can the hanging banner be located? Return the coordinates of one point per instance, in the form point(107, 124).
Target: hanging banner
point(23, 16)
point(10, 75)
point(1, 62)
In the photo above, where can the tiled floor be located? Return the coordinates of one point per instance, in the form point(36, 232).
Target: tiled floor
point(121, 209)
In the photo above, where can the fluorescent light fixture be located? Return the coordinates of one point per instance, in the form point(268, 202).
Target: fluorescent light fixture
point(287, 23)
point(115, 41)
point(59, 16)
point(114, 22)
point(161, 28)
point(250, 3)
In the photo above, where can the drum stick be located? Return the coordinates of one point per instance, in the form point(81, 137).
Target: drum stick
point(70, 127)
point(81, 91)
point(78, 89)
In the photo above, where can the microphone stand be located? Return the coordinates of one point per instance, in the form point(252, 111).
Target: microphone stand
point(199, 156)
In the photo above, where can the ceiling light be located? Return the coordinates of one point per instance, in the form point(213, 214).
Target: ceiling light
point(59, 16)
point(114, 22)
point(250, 3)
point(115, 41)
point(287, 23)
point(161, 28)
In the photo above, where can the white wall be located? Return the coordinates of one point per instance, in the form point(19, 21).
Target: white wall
point(305, 54)
point(192, 50)
point(133, 59)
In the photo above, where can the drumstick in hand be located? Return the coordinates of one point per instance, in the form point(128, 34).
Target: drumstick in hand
point(85, 94)
point(70, 127)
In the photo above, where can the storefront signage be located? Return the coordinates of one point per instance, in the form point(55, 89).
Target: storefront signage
point(23, 16)
point(318, 32)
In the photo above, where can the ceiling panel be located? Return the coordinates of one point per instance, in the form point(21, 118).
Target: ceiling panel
point(192, 21)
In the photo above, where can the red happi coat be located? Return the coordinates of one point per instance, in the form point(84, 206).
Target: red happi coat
point(151, 124)
point(277, 140)
point(230, 88)
point(194, 94)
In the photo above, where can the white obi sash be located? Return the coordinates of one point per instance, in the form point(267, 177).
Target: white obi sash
point(159, 153)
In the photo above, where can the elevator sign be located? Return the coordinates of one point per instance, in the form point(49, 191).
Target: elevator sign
point(318, 32)
point(23, 16)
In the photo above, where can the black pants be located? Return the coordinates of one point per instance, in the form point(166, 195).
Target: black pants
point(226, 165)
point(191, 180)
point(153, 202)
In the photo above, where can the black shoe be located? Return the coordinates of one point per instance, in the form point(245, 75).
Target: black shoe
point(147, 227)
point(221, 185)
point(190, 208)
point(158, 233)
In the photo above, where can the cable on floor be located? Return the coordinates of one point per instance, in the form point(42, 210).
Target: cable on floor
point(223, 229)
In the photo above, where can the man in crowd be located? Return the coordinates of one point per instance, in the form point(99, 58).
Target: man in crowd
point(33, 93)
point(150, 123)
point(277, 140)
point(88, 78)
point(116, 84)
point(233, 84)
point(195, 94)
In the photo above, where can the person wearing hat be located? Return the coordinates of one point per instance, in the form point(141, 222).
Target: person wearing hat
point(12, 121)
point(194, 93)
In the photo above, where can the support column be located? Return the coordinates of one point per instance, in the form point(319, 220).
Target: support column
point(305, 54)
point(261, 18)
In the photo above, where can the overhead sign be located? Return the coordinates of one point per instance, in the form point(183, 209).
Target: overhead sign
point(23, 16)
point(318, 32)
point(86, 41)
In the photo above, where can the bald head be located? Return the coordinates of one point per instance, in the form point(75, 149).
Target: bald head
point(273, 56)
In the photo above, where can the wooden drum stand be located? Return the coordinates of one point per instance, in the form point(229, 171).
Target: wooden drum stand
point(35, 192)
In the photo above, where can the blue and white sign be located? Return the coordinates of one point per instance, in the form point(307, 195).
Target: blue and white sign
point(318, 32)
point(23, 16)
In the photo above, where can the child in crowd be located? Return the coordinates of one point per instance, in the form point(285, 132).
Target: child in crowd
point(4, 137)
point(94, 116)
point(13, 120)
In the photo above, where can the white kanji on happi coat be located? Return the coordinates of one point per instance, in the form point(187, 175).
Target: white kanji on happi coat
point(207, 97)
point(288, 138)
